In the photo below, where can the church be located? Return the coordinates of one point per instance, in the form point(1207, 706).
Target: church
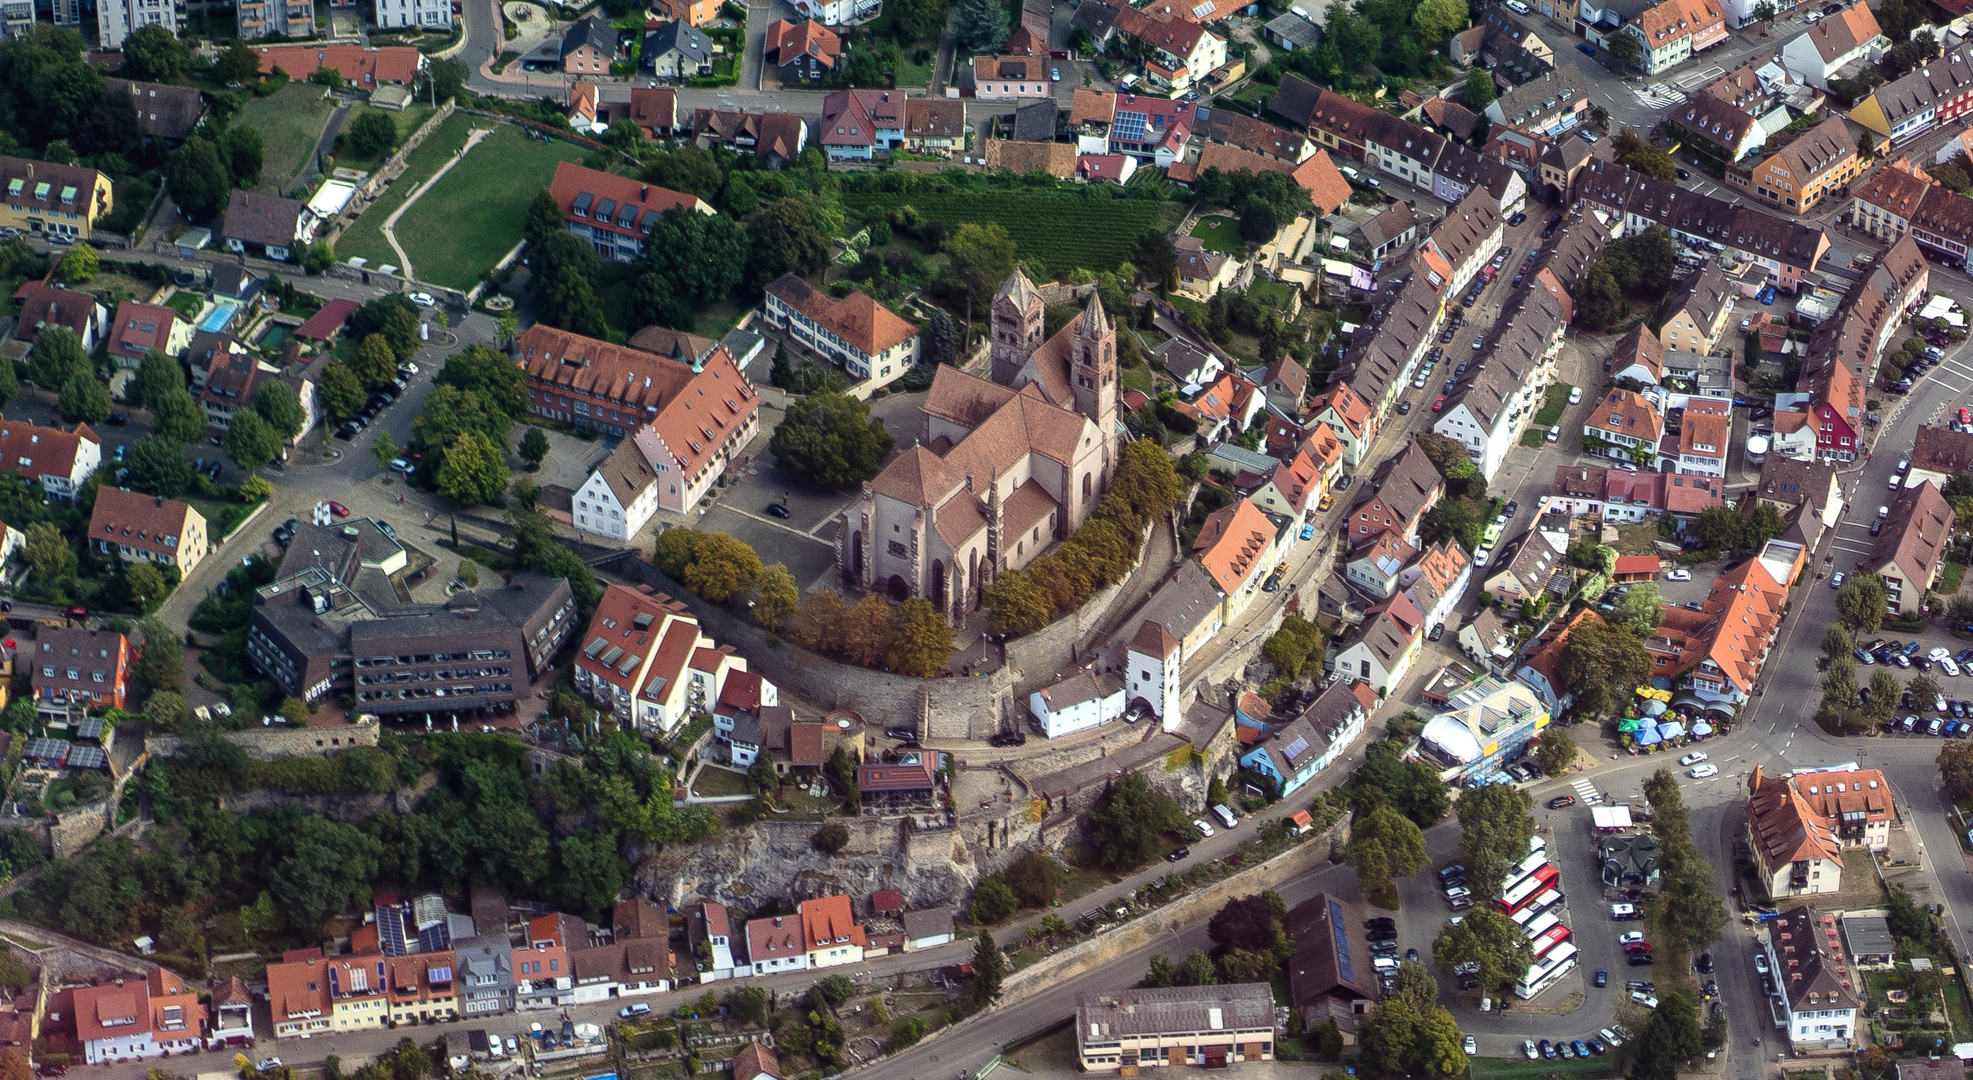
point(999, 470)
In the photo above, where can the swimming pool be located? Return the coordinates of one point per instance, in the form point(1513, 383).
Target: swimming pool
point(221, 314)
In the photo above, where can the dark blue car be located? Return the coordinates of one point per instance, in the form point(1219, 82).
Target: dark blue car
point(1547, 1050)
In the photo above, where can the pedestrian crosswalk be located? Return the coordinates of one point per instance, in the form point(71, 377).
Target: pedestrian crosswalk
point(1658, 96)
point(1587, 792)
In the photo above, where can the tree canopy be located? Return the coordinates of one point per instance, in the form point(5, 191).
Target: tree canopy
point(830, 441)
point(1127, 820)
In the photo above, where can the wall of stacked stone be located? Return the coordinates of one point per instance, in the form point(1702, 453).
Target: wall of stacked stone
point(269, 743)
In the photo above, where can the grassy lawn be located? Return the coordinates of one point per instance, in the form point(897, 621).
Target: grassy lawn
point(366, 237)
point(1637, 539)
point(910, 73)
point(714, 782)
point(290, 124)
point(1552, 407)
point(1221, 234)
point(186, 303)
point(1520, 1068)
point(1271, 295)
point(1950, 576)
point(472, 217)
point(1060, 229)
point(1137, 378)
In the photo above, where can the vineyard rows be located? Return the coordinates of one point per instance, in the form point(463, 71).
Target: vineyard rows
point(1064, 234)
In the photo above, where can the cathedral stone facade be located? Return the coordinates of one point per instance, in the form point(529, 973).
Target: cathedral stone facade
point(1000, 470)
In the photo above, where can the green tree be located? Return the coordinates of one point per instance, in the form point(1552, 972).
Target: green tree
point(83, 400)
point(392, 315)
point(783, 238)
point(1438, 20)
point(48, 553)
point(1603, 663)
point(339, 392)
point(907, 1032)
point(238, 63)
point(164, 711)
point(1641, 154)
point(154, 54)
point(1125, 823)
point(277, 404)
point(1955, 763)
point(157, 375)
point(989, 968)
point(1480, 90)
point(1556, 751)
point(158, 466)
point(1837, 642)
point(591, 872)
point(704, 256)
point(921, 639)
point(1861, 602)
point(1384, 846)
point(371, 133)
point(544, 217)
point(534, 447)
point(1496, 822)
point(982, 25)
point(993, 901)
point(474, 469)
point(325, 869)
point(10, 386)
point(244, 151)
point(146, 586)
point(197, 181)
point(830, 440)
point(1015, 605)
point(721, 566)
point(1623, 48)
point(830, 838)
point(250, 442)
point(375, 363)
point(1671, 1036)
point(384, 449)
point(980, 257)
point(178, 417)
point(1293, 645)
point(775, 596)
point(1489, 939)
point(78, 264)
point(1388, 1036)
point(56, 357)
point(1639, 610)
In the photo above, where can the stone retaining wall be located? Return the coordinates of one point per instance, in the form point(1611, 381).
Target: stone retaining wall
point(1111, 944)
point(270, 743)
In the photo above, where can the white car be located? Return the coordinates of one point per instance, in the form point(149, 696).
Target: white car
point(1481, 556)
point(1939, 654)
point(1575, 395)
point(1610, 1037)
point(1528, 1048)
point(1204, 829)
point(1836, 580)
point(1760, 962)
point(268, 1064)
point(1949, 666)
point(1939, 703)
point(422, 299)
point(1621, 912)
point(1630, 937)
point(1704, 771)
point(1470, 1045)
point(1644, 999)
point(1678, 575)
point(1693, 758)
point(403, 466)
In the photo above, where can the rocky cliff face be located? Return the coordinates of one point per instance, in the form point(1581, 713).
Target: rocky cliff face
point(775, 861)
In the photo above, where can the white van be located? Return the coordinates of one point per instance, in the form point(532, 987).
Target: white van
point(1517, 7)
point(1225, 816)
point(1536, 845)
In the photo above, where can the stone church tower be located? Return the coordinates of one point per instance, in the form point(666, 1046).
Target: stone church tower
point(1017, 327)
point(1093, 368)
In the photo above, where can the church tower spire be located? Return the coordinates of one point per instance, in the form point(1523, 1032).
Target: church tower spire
point(1094, 374)
point(1017, 326)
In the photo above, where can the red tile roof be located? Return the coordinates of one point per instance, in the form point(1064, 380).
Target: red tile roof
point(139, 328)
point(362, 67)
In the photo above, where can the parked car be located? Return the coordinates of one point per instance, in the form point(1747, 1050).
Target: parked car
point(1678, 575)
point(1560, 802)
point(1204, 829)
point(1693, 758)
point(1008, 738)
point(1836, 580)
point(1528, 1047)
point(1704, 771)
point(1178, 854)
point(777, 510)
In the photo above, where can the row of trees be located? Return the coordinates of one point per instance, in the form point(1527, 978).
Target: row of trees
point(1691, 913)
point(1101, 552)
point(1642, 265)
point(909, 637)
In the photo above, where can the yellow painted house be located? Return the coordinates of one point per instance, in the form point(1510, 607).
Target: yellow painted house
point(46, 199)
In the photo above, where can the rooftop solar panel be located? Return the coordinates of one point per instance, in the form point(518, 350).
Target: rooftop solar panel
point(92, 728)
point(86, 757)
point(1296, 748)
point(1340, 927)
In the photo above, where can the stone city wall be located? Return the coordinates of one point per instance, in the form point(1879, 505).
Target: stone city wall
point(269, 743)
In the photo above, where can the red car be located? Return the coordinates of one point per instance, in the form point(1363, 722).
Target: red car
point(1965, 415)
point(1438, 403)
point(338, 509)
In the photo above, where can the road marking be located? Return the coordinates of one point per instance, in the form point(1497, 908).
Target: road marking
point(1587, 792)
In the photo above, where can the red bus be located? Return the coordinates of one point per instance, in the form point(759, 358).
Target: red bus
point(1530, 887)
point(1556, 935)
